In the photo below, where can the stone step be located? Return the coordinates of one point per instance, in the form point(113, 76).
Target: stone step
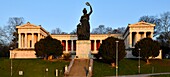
point(79, 68)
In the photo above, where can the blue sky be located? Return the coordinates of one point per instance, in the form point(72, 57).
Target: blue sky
point(65, 14)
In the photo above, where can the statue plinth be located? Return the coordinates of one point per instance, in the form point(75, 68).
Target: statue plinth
point(83, 49)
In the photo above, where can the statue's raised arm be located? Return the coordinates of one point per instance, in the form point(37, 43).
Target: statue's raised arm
point(91, 10)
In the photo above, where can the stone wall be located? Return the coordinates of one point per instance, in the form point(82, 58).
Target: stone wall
point(22, 53)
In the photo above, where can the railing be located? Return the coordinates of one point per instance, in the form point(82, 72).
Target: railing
point(90, 68)
point(69, 67)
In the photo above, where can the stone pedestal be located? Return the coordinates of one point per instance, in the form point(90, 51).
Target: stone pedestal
point(83, 49)
point(22, 53)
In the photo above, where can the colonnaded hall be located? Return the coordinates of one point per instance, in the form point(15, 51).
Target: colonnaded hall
point(29, 34)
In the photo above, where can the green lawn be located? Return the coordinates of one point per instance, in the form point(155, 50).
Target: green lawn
point(31, 67)
point(160, 76)
point(36, 67)
point(130, 67)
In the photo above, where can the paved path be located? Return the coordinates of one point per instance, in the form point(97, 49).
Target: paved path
point(79, 68)
point(142, 75)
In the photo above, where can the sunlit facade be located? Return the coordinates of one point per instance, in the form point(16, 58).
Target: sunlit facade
point(29, 34)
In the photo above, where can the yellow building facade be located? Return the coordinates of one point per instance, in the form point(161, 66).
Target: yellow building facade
point(29, 34)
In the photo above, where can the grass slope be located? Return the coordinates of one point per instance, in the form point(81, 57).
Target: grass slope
point(130, 67)
point(31, 67)
point(36, 67)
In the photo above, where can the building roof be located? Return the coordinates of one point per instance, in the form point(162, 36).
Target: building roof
point(141, 23)
point(28, 25)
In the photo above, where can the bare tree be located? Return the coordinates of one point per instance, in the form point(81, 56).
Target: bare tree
point(119, 30)
point(74, 31)
point(102, 30)
point(108, 30)
point(3, 35)
point(11, 31)
point(161, 30)
point(164, 37)
point(64, 33)
point(154, 20)
point(165, 21)
point(56, 31)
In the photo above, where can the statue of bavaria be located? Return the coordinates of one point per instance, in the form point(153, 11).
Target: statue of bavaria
point(83, 28)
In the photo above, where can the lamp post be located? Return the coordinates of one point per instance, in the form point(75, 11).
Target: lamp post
point(139, 62)
point(117, 58)
point(11, 60)
point(11, 65)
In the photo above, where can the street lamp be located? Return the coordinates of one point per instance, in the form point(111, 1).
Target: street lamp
point(11, 65)
point(11, 60)
point(117, 58)
point(139, 62)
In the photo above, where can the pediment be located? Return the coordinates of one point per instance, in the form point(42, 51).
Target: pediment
point(28, 25)
point(141, 23)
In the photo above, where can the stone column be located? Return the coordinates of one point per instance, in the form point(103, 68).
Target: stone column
point(38, 36)
point(100, 41)
point(144, 35)
point(66, 45)
point(94, 45)
point(137, 37)
point(32, 46)
point(72, 45)
point(22, 41)
point(130, 39)
point(41, 36)
point(19, 42)
point(26, 40)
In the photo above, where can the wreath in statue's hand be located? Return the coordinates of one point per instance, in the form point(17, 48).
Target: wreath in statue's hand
point(88, 4)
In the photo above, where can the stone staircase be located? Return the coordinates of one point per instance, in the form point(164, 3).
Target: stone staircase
point(80, 68)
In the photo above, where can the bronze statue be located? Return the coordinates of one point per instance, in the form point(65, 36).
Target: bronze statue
point(83, 28)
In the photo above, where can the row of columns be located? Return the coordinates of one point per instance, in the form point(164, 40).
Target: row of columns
point(23, 40)
point(136, 38)
point(66, 47)
point(95, 44)
point(72, 45)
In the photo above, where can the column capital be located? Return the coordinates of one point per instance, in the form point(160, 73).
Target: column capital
point(39, 36)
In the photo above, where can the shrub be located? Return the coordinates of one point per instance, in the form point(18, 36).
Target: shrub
point(107, 50)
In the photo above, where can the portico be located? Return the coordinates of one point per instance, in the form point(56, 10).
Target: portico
point(136, 32)
point(69, 41)
point(28, 35)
